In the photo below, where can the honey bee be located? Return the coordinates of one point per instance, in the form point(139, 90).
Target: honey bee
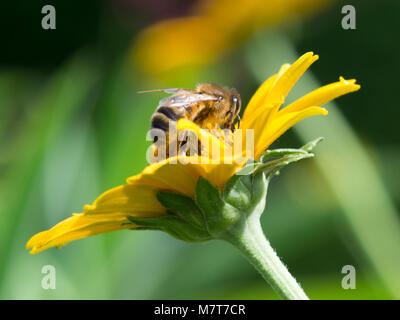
point(210, 106)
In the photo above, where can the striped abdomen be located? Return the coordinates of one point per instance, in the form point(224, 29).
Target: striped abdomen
point(163, 115)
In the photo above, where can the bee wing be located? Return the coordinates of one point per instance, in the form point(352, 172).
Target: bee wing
point(168, 90)
point(182, 100)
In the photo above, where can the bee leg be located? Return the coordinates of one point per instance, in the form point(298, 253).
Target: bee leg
point(238, 117)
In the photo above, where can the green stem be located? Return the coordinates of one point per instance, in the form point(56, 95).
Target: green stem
point(250, 240)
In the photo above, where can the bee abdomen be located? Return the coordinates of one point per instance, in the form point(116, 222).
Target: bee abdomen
point(162, 116)
point(170, 112)
point(159, 121)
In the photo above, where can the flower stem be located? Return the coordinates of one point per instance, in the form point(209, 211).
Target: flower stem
point(250, 240)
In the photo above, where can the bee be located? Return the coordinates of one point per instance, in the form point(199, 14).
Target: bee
point(210, 106)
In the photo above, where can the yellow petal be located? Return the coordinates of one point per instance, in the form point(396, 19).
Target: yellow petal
point(280, 124)
point(259, 99)
point(126, 199)
point(258, 123)
point(272, 94)
point(180, 174)
point(108, 213)
point(290, 76)
point(213, 147)
point(73, 228)
point(221, 166)
point(322, 95)
point(219, 174)
point(169, 174)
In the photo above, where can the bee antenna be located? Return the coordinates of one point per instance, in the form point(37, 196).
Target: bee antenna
point(145, 91)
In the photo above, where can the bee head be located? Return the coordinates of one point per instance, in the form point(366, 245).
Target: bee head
point(233, 104)
point(229, 101)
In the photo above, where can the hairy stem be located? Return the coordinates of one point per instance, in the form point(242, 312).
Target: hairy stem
point(250, 240)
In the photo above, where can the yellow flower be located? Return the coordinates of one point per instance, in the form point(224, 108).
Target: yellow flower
point(217, 26)
point(138, 197)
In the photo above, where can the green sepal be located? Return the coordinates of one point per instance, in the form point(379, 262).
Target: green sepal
point(238, 191)
point(246, 191)
point(279, 153)
point(173, 225)
point(218, 214)
point(273, 166)
point(273, 160)
point(248, 168)
point(311, 145)
point(281, 157)
point(183, 206)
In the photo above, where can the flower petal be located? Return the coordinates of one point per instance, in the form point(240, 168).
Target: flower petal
point(289, 77)
point(280, 124)
point(209, 141)
point(169, 174)
point(180, 174)
point(125, 200)
point(108, 213)
point(270, 96)
point(73, 228)
point(259, 99)
point(219, 174)
point(322, 95)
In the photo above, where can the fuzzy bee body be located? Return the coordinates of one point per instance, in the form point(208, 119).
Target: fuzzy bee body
point(210, 106)
point(207, 105)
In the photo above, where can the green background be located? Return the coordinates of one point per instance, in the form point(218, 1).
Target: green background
point(73, 126)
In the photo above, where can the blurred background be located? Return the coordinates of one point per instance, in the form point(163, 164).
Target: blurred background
point(73, 126)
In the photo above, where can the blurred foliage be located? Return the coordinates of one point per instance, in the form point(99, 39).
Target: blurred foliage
point(72, 126)
point(214, 27)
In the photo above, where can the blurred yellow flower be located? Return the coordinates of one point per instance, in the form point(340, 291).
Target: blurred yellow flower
point(217, 26)
point(138, 197)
